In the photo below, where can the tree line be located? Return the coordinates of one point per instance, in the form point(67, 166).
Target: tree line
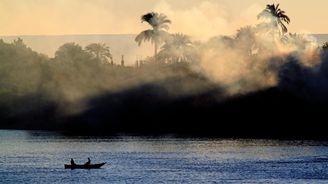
point(37, 88)
point(178, 47)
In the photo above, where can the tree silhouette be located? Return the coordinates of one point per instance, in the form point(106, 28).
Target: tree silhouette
point(156, 35)
point(325, 46)
point(276, 15)
point(177, 48)
point(71, 53)
point(72, 61)
point(100, 52)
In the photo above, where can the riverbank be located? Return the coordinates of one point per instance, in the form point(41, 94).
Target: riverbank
point(271, 114)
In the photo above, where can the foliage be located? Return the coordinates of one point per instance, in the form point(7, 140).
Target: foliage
point(325, 46)
point(276, 15)
point(19, 68)
point(100, 52)
point(178, 48)
point(71, 52)
point(245, 40)
point(156, 35)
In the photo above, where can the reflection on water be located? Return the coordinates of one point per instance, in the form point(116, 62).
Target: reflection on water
point(32, 157)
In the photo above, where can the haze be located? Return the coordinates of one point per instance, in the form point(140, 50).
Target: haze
point(197, 18)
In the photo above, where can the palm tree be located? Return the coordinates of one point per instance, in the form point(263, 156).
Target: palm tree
point(246, 39)
point(177, 48)
point(100, 52)
point(276, 15)
point(156, 35)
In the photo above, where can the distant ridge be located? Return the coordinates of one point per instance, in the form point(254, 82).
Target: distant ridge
point(321, 37)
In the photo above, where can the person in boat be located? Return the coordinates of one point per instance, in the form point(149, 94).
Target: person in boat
point(72, 162)
point(88, 162)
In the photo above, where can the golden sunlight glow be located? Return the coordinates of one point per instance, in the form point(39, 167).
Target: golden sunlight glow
point(193, 17)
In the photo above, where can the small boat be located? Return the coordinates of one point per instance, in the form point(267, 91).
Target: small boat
point(84, 166)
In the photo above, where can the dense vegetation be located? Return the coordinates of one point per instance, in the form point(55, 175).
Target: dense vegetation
point(36, 90)
point(183, 89)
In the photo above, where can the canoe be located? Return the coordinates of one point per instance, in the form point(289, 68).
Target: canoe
point(91, 166)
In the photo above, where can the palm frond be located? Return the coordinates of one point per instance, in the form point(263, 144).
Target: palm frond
point(156, 20)
point(147, 17)
point(277, 16)
point(146, 35)
point(283, 27)
point(264, 14)
point(162, 19)
point(164, 26)
point(285, 18)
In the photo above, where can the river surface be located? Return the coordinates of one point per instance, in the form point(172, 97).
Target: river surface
point(39, 157)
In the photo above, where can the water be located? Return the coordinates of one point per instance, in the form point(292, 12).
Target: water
point(39, 157)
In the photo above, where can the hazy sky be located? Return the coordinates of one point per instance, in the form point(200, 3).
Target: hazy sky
point(193, 17)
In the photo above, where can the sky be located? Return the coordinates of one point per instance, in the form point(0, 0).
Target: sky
point(193, 17)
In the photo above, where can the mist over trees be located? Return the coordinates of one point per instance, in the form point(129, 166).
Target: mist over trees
point(100, 52)
point(276, 16)
point(177, 48)
point(156, 35)
point(37, 90)
point(186, 81)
